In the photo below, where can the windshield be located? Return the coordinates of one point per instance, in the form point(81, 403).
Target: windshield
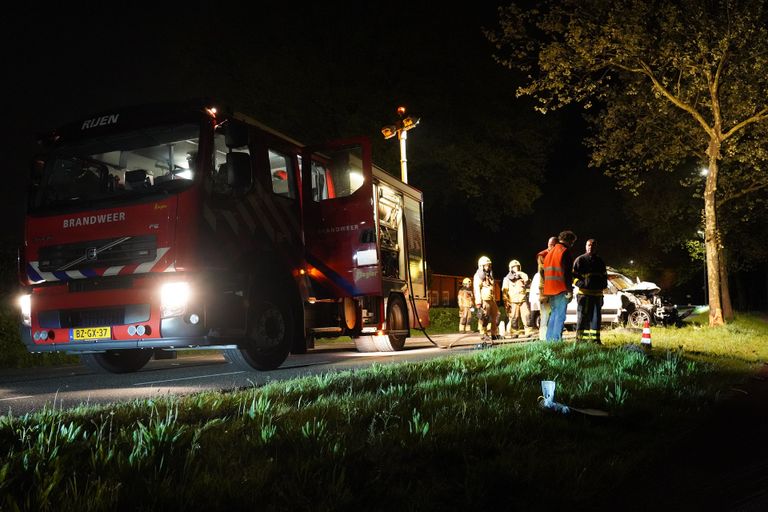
point(118, 167)
point(620, 281)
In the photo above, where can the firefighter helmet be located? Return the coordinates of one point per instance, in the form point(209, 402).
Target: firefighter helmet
point(514, 263)
point(467, 281)
point(484, 260)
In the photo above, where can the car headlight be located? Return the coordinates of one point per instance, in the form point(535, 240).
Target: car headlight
point(25, 304)
point(174, 298)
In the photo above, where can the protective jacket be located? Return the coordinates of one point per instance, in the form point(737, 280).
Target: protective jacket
point(590, 274)
point(483, 285)
point(514, 288)
point(558, 266)
point(465, 298)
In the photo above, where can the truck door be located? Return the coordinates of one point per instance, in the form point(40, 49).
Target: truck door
point(339, 227)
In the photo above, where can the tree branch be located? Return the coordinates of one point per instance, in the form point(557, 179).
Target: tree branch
point(760, 116)
point(646, 70)
point(719, 72)
point(742, 192)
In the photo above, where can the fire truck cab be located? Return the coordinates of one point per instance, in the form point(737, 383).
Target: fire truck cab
point(165, 227)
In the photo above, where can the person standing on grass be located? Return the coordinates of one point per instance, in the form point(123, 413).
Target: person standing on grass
point(537, 292)
point(466, 300)
point(514, 292)
point(591, 278)
point(558, 283)
point(485, 301)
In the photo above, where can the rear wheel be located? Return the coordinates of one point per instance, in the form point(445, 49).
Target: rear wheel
point(353, 317)
point(269, 337)
point(397, 325)
point(638, 317)
point(117, 361)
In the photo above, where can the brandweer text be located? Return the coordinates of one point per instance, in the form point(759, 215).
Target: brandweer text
point(94, 219)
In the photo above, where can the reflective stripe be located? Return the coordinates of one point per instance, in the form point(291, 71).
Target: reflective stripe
point(36, 275)
point(588, 335)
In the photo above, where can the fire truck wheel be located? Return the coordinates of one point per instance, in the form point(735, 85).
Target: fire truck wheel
point(270, 334)
point(353, 317)
point(397, 320)
point(117, 361)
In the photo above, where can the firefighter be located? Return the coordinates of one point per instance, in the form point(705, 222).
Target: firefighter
point(466, 300)
point(591, 277)
point(514, 291)
point(558, 283)
point(487, 310)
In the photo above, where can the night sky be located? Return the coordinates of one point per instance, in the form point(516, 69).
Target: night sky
point(64, 66)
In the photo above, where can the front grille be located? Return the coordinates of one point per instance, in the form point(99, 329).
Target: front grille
point(92, 317)
point(108, 252)
point(98, 317)
point(101, 283)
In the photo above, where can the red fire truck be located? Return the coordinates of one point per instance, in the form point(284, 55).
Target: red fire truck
point(165, 227)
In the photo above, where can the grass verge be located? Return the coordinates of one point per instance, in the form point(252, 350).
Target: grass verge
point(463, 432)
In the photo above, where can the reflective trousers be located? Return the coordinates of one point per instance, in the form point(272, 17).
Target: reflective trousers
point(518, 314)
point(465, 318)
point(490, 323)
point(588, 316)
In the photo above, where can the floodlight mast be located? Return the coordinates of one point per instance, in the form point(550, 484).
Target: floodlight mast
point(401, 130)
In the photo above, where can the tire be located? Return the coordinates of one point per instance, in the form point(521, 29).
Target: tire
point(352, 317)
point(269, 338)
point(117, 361)
point(397, 319)
point(638, 317)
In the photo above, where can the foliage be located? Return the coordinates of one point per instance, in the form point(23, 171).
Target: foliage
point(676, 83)
point(13, 354)
point(345, 440)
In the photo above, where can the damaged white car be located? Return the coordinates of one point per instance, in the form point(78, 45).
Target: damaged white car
point(631, 304)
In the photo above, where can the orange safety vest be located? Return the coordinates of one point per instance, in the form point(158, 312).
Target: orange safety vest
point(554, 277)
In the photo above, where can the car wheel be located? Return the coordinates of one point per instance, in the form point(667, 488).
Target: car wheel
point(638, 317)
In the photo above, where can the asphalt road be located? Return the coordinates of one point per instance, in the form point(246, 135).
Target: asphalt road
point(32, 389)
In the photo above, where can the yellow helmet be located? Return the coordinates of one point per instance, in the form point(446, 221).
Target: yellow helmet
point(484, 260)
point(514, 263)
point(467, 281)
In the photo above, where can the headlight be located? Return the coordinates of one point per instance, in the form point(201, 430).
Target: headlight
point(25, 304)
point(173, 299)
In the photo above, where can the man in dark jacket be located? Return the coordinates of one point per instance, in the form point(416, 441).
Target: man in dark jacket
point(591, 277)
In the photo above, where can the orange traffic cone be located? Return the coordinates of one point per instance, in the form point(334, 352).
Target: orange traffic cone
point(645, 342)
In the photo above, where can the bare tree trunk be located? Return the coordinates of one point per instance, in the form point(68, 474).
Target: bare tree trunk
point(725, 292)
point(711, 238)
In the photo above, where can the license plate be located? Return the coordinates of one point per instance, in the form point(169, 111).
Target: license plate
point(91, 333)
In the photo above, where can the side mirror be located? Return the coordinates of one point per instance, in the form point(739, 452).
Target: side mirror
point(236, 135)
point(238, 170)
